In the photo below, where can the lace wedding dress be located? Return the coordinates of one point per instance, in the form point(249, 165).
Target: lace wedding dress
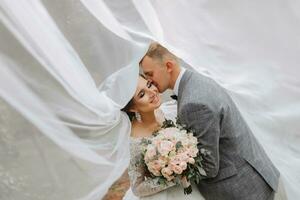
point(150, 188)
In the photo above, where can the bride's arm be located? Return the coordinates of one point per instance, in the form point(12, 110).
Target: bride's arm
point(140, 186)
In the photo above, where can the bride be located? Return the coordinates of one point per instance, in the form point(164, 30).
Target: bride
point(147, 118)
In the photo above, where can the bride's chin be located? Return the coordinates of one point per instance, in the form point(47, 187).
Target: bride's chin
point(158, 104)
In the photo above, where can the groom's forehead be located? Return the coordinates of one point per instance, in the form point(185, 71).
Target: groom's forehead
point(146, 69)
point(148, 62)
point(149, 66)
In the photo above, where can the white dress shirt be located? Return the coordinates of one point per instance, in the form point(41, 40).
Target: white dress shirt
point(176, 86)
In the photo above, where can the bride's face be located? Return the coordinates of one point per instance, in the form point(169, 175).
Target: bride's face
point(146, 97)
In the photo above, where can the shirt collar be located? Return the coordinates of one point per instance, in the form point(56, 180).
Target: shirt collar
point(176, 86)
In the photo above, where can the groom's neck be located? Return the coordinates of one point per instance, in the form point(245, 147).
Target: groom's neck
point(174, 76)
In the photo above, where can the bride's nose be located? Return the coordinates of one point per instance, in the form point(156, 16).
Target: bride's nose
point(152, 92)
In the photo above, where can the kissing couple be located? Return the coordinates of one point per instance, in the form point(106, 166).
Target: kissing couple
point(236, 168)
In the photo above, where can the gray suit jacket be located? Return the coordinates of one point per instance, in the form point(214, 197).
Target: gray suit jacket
point(238, 167)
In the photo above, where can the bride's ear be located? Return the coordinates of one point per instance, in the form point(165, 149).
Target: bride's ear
point(133, 109)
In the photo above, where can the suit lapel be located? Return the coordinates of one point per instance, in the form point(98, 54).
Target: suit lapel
point(182, 84)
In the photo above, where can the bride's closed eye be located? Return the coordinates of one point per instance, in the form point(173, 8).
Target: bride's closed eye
point(142, 92)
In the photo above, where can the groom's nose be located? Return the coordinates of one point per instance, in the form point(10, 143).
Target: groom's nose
point(149, 79)
point(154, 83)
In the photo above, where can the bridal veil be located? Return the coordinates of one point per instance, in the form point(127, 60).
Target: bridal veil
point(67, 67)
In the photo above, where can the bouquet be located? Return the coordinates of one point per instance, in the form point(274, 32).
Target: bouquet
point(172, 155)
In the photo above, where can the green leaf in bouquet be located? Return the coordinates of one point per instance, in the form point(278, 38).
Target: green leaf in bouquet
point(204, 152)
point(178, 145)
point(177, 180)
point(177, 120)
point(201, 171)
point(162, 181)
point(199, 160)
point(197, 179)
point(145, 141)
point(172, 153)
point(168, 123)
point(190, 175)
point(155, 133)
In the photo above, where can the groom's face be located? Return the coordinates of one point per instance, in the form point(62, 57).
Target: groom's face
point(156, 71)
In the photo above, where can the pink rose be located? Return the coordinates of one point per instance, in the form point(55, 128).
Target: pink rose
point(185, 141)
point(150, 153)
point(165, 147)
point(194, 141)
point(163, 161)
point(169, 178)
point(154, 167)
point(183, 157)
point(169, 132)
point(166, 171)
point(191, 161)
point(177, 169)
point(157, 165)
point(183, 165)
point(175, 160)
point(156, 142)
point(192, 152)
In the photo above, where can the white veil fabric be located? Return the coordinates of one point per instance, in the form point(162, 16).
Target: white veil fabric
point(67, 67)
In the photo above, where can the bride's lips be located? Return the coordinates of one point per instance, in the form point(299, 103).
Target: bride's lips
point(155, 99)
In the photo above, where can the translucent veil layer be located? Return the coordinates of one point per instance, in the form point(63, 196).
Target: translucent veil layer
point(67, 67)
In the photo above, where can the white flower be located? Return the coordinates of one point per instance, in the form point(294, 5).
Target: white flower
point(165, 147)
point(150, 153)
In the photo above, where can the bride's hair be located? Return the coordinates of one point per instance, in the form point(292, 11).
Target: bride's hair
point(126, 109)
point(129, 105)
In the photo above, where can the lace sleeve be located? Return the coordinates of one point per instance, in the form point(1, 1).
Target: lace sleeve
point(141, 186)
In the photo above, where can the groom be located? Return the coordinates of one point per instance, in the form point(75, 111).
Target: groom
point(237, 167)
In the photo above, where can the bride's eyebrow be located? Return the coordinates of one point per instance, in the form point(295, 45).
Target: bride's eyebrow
point(142, 90)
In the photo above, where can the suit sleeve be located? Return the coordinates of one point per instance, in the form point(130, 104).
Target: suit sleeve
point(205, 124)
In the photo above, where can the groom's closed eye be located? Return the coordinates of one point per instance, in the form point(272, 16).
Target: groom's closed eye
point(149, 84)
point(148, 74)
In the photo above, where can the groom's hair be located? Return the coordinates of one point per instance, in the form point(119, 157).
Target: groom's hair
point(158, 52)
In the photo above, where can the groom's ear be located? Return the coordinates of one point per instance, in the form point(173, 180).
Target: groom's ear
point(169, 66)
